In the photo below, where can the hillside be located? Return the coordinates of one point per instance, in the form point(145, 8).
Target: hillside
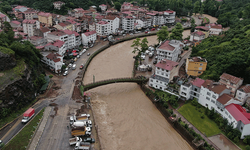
point(228, 53)
point(21, 73)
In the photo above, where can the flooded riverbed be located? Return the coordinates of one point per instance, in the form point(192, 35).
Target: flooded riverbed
point(126, 118)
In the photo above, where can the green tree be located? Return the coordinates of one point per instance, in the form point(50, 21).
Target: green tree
point(202, 9)
point(144, 45)
point(246, 12)
point(139, 47)
point(247, 147)
point(193, 25)
point(177, 32)
point(196, 7)
point(117, 6)
point(162, 34)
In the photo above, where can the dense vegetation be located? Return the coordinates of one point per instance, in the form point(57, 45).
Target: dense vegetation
point(227, 53)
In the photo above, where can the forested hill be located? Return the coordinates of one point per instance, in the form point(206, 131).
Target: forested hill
point(229, 53)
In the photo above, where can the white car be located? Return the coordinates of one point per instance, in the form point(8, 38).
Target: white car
point(147, 51)
point(143, 57)
point(66, 69)
point(78, 56)
point(65, 73)
point(70, 65)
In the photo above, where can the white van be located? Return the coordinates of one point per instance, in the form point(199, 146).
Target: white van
point(74, 67)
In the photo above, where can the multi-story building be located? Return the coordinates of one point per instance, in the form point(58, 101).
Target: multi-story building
point(54, 61)
point(214, 29)
point(45, 18)
point(169, 15)
point(58, 46)
point(197, 36)
point(103, 28)
point(88, 37)
point(64, 26)
point(103, 7)
point(203, 29)
point(231, 82)
point(29, 26)
point(191, 89)
point(169, 49)
point(77, 36)
point(15, 24)
point(128, 23)
point(3, 18)
point(92, 26)
point(30, 14)
point(58, 5)
point(243, 93)
point(195, 66)
point(18, 11)
point(126, 6)
point(165, 70)
point(114, 23)
point(77, 12)
point(37, 40)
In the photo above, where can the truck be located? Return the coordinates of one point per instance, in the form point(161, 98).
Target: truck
point(82, 145)
point(74, 118)
point(74, 140)
point(79, 124)
point(81, 131)
point(28, 114)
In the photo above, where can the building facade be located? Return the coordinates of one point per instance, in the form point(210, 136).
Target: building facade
point(54, 61)
point(88, 37)
point(195, 66)
point(231, 82)
point(29, 26)
point(45, 19)
point(103, 28)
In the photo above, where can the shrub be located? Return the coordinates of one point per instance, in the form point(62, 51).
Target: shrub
point(202, 116)
point(50, 76)
point(165, 105)
point(247, 147)
point(236, 139)
point(179, 120)
point(186, 126)
point(170, 111)
point(174, 115)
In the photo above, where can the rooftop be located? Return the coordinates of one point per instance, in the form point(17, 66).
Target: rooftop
point(224, 98)
point(239, 113)
point(16, 22)
point(29, 21)
point(202, 27)
point(197, 59)
point(230, 78)
point(166, 64)
point(166, 46)
point(213, 86)
point(89, 33)
point(44, 14)
point(245, 88)
point(54, 57)
point(198, 82)
point(198, 33)
point(35, 38)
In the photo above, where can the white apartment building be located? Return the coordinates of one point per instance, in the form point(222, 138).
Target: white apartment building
point(243, 93)
point(74, 35)
point(70, 40)
point(214, 29)
point(88, 37)
point(103, 28)
point(128, 23)
point(169, 16)
point(114, 22)
point(54, 61)
point(29, 26)
point(58, 5)
point(197, 36)
point(169, 49)
point(191, 89)
point(231, 82)
point(165, 70)
point(139, 24)
point(58, 46)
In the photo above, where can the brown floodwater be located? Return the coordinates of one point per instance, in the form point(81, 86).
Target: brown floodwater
point(126, 118)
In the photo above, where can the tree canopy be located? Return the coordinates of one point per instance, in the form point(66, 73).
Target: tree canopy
point(162, 34)
point(177, 32)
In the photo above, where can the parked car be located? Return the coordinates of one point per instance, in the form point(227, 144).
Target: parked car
point(146, 32)
point(155, 62)
point(152, 29)
point(65, 73)
point(147, 51)
point(75, 59)
point(74, 67)
point(91, 140)
point(72, 61)
point(78, 56)
point(88, 54)
point(81, 67)
point(70, 65)
point(66, 69)
point(131, 34)
point(143, 57)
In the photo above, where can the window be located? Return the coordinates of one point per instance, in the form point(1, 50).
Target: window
point(206, 104)
point(214, 96)
point(239, 93)
point(200, 68)
point(195, 89)
point(207, 98)
point(241, 128)
point(157, 81)
point(152, 80)
point(212, 101)
point(208, 93)
point(230, 117)
point(231, 83)
point(184, 88)
point(199, 72)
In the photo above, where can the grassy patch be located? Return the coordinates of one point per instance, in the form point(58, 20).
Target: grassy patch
point(205, 125)
point(6, 51)
point(22, 139)
point(12, 74)
point(13, 115)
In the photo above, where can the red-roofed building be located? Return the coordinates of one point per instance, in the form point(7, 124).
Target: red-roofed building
point(195, 66)
point(3, 18)
point(128, 22)
point(165, 70)
point(59, 46)
point(114, 22)
point(103, 28)
point(37, 40)
point(191, 89)
point(15, 24)
point(239, 118)
point(58, 5)
point(243, 94)
point(66, 25)
point(88, 38)
point(169, 49)
point(169, 16)
point(126, 6)
point(19, 11)
point(54, 61)
point(45, 19)
point(29, 26)
point(30, 14)
point(231, 82)
point(214, 29)
point(197, 36)
point(103, 7)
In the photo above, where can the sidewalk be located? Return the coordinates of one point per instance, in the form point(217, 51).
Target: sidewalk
point(190, 125)
point(40, 129)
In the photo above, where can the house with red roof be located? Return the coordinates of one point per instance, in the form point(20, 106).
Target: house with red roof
point(65, 25)
point(18, 11)
point(169, 16)
point(214, 28)
point(15, 24)
point(165, 70)
point(243, 93)
point(58, 5)
point(37, 40)
point(3, 18)
point(231, 82)
point(103, 7)
point(191, 89)
point(169, 49)
point(53, 60)
point(114, 22)
point(88, 38)
point(128, 22)
point(197, 36)
point(103, 28)
point(126, 6)
point(30, 14)
point(29, 26)
point(239, 117)
point(59, 46)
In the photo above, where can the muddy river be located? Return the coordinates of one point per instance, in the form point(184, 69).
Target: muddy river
point(126, 118)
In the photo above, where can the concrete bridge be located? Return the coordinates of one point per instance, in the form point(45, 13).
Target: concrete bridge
point(138, 80)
